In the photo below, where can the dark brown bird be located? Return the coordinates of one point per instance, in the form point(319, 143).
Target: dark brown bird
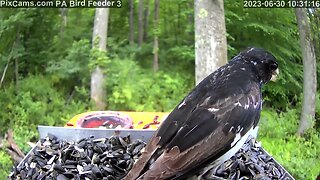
point(212, 122)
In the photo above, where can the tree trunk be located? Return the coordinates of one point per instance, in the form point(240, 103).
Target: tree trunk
point(146, 21)
point(16, 73)
point(16, 62)
point(131, 22)
point(99, 40)
point(309, 72)
point(155, 43)
point(178, 23)
point(64, 12)
point(140, 23)
point(4, 73)
point(210, 37)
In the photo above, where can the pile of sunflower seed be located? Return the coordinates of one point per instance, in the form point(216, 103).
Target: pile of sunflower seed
point(89, 158)
point(112, 158)
point(250, 162)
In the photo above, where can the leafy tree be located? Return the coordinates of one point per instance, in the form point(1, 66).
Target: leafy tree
point(275, 30)
point(140, 23)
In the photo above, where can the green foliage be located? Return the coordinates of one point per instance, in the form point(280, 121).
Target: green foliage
point(132, 88)
point(317, 116)
point(122, 49)
point(74, 63)
point(98, 58)
point(276, 31)
point(182, 59)
point(72, 70)
point(13, 22)
point(298, 155)
point(5, 164)
point(36, 102)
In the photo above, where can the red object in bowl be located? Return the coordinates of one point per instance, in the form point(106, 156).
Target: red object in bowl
point(109, 119)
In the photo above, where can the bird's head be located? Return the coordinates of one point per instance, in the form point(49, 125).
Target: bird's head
point(263, 62)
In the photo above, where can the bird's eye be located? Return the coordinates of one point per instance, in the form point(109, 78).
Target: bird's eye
point(273, 67)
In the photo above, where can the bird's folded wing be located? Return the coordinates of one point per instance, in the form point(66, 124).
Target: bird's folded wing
point(208, 129)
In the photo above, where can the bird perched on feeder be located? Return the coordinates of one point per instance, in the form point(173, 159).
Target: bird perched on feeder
point(212, 122)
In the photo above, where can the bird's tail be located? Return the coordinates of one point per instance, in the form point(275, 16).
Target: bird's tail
point(141, 164)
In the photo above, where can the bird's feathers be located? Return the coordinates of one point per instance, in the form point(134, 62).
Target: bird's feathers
point(206, 124)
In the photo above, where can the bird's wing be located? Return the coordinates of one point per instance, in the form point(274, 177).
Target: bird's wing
point(195, 132)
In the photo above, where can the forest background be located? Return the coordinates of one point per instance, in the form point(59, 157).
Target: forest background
point(47, 59)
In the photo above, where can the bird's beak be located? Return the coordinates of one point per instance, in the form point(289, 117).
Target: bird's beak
point(275, 75)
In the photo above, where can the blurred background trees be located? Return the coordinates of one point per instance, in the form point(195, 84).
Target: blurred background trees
point(47, 61)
